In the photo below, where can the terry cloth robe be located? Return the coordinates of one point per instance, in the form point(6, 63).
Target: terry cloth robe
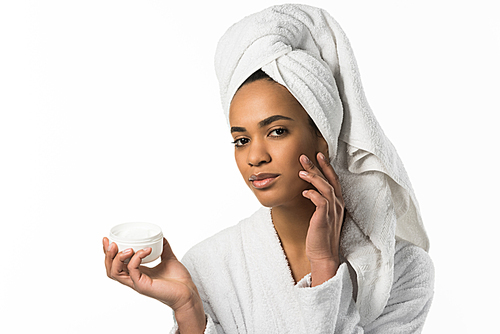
point(305, 50)
point(244, 280)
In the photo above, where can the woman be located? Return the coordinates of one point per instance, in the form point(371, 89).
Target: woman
point(339, 246)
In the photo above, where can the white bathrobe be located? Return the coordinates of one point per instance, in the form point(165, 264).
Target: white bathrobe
point(246, 286)
point(386, 283)
point(305, 50)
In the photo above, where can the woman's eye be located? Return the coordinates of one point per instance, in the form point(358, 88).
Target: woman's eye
point(278, 132)
point(240, 142)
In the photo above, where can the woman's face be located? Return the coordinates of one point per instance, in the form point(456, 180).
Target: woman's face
point(271, 131)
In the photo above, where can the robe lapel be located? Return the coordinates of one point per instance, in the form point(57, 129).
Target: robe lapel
point(275, 300)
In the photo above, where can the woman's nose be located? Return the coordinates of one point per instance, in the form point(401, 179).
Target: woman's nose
point(258, 154)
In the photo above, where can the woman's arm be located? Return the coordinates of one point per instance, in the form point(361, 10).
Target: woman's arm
point(330, 302)
point(330, 307)
point(212, 324)
point(169, 282)
point(411, 293)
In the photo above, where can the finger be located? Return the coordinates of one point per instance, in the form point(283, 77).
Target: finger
point(321, 203)
point(330, 174)
point(135, 263)
point(119, 269)
point(319, 183)
point(313, 175)
point(110, 252)
point(309, 166)
point(105, 244)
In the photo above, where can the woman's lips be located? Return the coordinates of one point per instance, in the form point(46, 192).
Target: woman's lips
point(262, 180)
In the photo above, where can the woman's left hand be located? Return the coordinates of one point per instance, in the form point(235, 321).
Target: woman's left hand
point(323, 236)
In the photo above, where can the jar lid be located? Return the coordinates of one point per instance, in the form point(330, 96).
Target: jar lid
point(136, 233)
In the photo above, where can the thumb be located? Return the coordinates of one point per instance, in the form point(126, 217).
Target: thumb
point(167, 253)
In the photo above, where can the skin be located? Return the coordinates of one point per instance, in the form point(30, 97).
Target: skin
point(306, 201)
point(169, 282)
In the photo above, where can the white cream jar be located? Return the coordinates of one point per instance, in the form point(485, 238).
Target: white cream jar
point(138, 236)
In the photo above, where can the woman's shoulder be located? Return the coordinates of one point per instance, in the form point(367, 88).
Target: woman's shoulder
point(412, 264)
point(407, 252)
point(227, 242)
point(218, 244)
point(226, 246)
point(216, 258)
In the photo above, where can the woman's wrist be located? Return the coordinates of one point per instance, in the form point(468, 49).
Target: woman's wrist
point(191, 318)
point(323, 270)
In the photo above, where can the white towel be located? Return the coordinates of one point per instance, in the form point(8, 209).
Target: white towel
point(304, 49)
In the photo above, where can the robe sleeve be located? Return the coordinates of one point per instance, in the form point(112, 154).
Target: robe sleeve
point(330, 308)
point(211, 328)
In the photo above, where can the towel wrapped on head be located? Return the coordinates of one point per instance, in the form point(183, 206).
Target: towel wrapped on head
point(304, 49)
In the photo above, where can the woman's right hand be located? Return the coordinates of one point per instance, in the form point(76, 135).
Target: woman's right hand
point(168, 282)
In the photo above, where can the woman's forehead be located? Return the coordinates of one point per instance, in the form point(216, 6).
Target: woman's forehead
point(261, 99)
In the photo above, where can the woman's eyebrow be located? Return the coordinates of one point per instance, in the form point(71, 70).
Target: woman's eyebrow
point(263, 123)
point(237, 129)
point(273, 118)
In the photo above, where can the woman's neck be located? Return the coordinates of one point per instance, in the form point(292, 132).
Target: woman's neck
point(292, 222)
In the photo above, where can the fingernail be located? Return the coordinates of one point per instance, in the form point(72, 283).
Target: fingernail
point(109, 247)
point(303, 173)
point(128, 250)
point(322, 156)
point(306, 159)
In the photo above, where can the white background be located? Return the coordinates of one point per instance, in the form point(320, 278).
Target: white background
point(109, 112)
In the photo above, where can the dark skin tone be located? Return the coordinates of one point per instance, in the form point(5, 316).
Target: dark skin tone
point(169, 282)
point(307, 208)
point(301, 187)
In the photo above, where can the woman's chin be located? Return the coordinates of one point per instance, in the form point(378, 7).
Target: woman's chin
point(266, 202)
point(270, 200)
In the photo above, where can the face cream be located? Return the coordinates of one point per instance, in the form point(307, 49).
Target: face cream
point(138, 236)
